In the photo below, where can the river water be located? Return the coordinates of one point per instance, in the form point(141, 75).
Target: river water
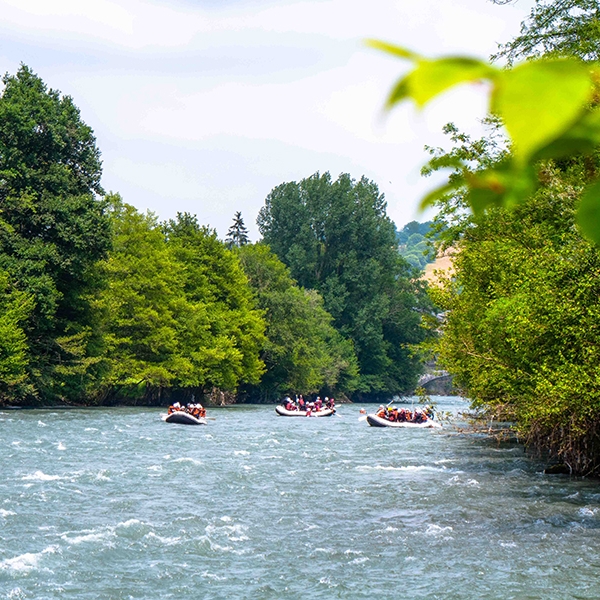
point(117, 504)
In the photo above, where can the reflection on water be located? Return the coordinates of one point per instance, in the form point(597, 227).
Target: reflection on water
point(117, 504)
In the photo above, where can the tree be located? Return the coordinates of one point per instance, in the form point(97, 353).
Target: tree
point(180, 314)
point(143, 304)
point(225, 331)
point(336, 237)
point(237, 234)
point(54, 231)
point(303, 352)
point(520, 333)
point(557, 28)
point(521, 326)
point(15, 307)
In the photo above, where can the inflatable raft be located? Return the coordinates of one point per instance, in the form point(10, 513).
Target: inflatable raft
point(283, 412)
point(376, 421)
point(182, 418)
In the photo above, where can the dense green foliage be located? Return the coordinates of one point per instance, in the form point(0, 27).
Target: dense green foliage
point(53, 231)
point(336, 237)
point(303, 351)
point(15, 307)
point(179, 311)
point(521, 320)
point(520, 327)
point(415, 245)
point(557, 28)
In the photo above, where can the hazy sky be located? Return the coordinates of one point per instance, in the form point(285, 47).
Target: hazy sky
point(206, 105)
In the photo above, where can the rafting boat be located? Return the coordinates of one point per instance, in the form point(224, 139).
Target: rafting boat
point(376, 421)
point(182, 418)
point(283, 412)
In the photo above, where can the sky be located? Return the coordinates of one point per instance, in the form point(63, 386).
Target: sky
point(205, 106)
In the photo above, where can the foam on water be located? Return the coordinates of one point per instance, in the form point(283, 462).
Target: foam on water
point(40, 476)
point(103, 537)
point(26, 563)
point(187, 459)
point(408, 468)
point(437, 530)
point(213, 576)
point(166, 541)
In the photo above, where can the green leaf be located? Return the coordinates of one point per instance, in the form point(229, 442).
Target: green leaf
point(438, 193)
point(539, 100)
point(433, 77)
point(486, 190)
point(506, 186)
point(588, 214)
point(393, 49)
point(582, 138)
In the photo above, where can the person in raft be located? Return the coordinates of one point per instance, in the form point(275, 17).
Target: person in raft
point(196, 409)
point(402, 415)
point(289, 405)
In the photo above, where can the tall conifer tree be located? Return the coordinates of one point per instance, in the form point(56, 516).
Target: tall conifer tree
point(237, 235)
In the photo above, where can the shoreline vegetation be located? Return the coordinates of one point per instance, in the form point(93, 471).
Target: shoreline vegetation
point(520, 211)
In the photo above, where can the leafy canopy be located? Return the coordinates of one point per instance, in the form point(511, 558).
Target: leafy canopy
point(179, 311)
point(336, 238)
point(302, 351)
point(53, 231)
point(556, 28)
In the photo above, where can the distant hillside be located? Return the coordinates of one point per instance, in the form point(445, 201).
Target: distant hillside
point(413, 244)
point(442, 265)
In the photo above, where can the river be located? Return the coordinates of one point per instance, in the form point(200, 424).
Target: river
point(116, 504)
